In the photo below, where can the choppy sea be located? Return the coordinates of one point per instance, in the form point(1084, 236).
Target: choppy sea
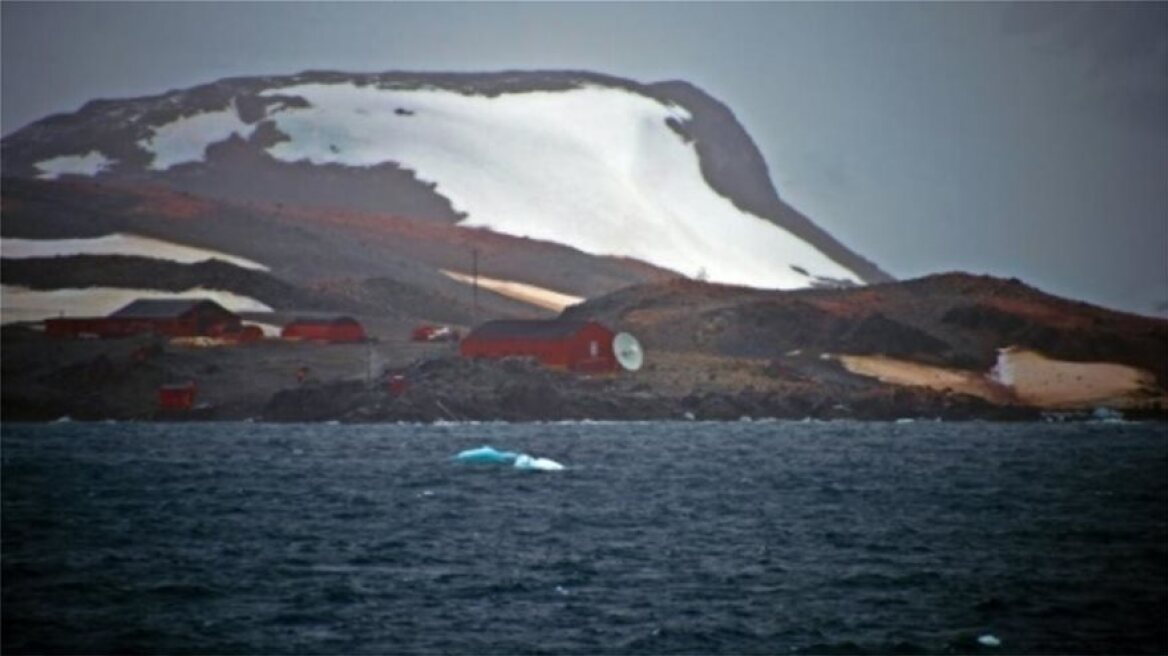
point(658, 538)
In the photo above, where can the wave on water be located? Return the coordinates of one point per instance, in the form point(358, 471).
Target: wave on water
point(679, 537)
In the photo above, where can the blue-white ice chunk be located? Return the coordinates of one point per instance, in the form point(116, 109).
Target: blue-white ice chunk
point(529, 463)
point(989, 640)
point(486, 455)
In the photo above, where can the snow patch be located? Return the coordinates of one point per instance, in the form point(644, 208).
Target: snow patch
point(593, 168)
point(23, 304)
point(1061, 384)
point(1003, 370)
point(89, 164)
point(186, 139)
point(269, 329)
point(523, 292)
point(119, 244)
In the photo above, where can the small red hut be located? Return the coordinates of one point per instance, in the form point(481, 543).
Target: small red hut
point(573, 345)
point(177, 396)
point(330, 329)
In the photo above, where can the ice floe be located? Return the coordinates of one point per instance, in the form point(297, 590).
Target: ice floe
point(487, 455)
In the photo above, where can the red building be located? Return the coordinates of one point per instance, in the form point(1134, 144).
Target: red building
point(179, 396)
point(167, 317)
point(573, 345)
point(333, 329)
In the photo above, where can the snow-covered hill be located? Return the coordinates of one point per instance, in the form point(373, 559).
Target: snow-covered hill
point(596, 169)
point(606, 166)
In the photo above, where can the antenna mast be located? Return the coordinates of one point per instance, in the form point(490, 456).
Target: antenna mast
point(475, 283)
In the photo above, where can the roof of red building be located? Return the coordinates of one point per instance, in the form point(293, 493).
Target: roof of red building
point(528, 329)
point(328, 321)
point(163, 308)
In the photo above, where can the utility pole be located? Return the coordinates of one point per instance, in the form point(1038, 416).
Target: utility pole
point(475, 285)
point(368, 364)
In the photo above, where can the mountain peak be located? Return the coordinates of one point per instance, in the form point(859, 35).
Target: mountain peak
point(661, 172)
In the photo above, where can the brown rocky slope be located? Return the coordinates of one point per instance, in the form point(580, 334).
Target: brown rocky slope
point(954, 320)
point(712, 352)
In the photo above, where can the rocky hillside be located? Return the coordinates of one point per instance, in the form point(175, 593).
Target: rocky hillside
point(953, 320)
point(372, 264)
point(922, 348)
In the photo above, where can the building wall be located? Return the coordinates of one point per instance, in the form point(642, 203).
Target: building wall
point(205, 320)
point(588, 349)
point(324, 332)
point(592, 349)
point(201, 321)
point(176, 397)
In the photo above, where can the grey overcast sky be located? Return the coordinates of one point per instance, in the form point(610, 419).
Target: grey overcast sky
point(1026, 140)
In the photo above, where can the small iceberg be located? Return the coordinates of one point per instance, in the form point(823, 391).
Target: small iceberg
point(486, 455)
point(1107, 415)
point(526, 462)
point(989, 640)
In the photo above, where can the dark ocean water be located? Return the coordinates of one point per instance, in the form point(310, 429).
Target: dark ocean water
point(734, 538)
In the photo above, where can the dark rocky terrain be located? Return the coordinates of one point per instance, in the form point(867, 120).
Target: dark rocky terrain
point(712, 352)
point(45, 379)
point(954, 320)
point(334, 252)
point(374, 242)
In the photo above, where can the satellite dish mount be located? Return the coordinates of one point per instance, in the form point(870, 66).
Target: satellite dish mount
point(628, 351)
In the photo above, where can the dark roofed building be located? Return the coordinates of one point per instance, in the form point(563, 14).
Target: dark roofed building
point(169, 317)
point(161, 308)
point(573, 345)
point(179, 317)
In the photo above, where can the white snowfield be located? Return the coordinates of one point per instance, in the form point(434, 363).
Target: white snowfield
point(594, 168)
point(119, 244)
point(89, 164)
point(22, 304)
point(186, 139)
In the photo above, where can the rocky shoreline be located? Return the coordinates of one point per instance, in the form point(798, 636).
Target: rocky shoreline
point(396, 380)
point(45, 379)
point(521, 391)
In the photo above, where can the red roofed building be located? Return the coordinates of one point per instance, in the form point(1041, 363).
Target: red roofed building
point(572, 345)
point(331, 329)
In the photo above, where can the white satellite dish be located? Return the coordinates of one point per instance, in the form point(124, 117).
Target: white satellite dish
point(628, 351)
